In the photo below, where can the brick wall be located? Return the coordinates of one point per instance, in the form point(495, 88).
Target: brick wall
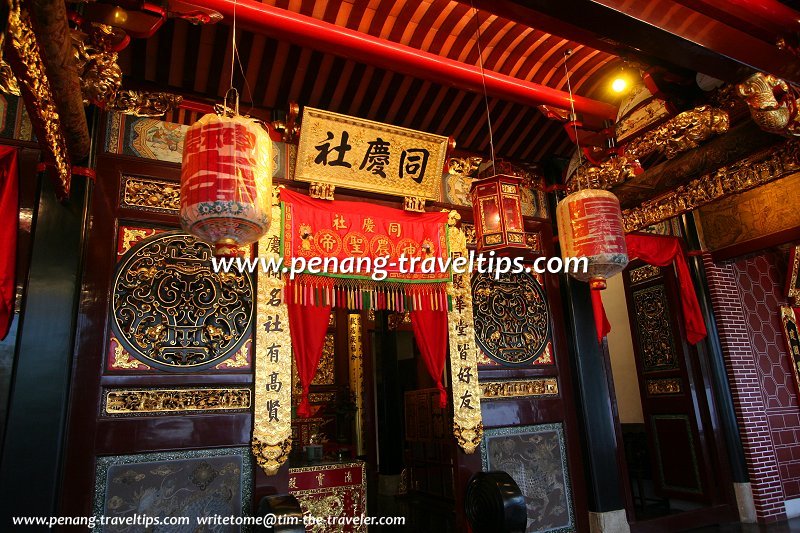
point(746, 294)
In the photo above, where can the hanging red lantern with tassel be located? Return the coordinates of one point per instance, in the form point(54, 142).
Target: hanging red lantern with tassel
point(590, 226)
point(226, 181)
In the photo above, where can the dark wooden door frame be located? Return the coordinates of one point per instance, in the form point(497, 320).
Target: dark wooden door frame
point(699, 376)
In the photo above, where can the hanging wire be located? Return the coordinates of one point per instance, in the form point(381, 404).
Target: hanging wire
point(574, 118)
point(234, 54)
point(233, 42)
point(483, 81)
point(235, 57)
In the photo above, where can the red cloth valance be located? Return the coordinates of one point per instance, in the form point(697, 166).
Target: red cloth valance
point(660, 251)
point(9, 211)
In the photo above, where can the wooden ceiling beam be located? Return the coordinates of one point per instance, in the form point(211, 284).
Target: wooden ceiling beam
point(312, 33)
point(669, 32)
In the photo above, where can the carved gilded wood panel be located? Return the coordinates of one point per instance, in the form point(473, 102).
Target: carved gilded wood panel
point(654, 329)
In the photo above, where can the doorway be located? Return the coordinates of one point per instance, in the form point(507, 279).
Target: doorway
point(677, 467)
point(412, 454)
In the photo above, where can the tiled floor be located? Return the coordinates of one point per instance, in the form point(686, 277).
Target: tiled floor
point(421, 514)
point(785, 527)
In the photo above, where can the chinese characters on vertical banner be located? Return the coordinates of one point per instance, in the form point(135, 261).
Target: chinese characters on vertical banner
point(272, 422)
point(365, 155)
point(790, 318)
point(467, 421)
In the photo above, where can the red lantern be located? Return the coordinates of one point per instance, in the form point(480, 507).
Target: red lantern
point(226, 182)
point(590, 226)
point(498, 214)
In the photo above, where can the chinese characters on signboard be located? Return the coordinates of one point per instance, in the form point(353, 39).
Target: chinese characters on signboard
point(365, 155)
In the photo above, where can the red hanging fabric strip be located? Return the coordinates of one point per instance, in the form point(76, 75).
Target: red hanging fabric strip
point(9, 211)
point(662, 251)
point(307, 327)
point(601, 323)
point(431, 334)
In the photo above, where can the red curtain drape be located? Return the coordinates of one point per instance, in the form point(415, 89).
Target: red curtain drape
point(9, 218)
point(430, 332)
point(661, 251)
point(307, 326)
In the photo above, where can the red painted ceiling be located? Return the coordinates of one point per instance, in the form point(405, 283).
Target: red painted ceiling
point(197, 60)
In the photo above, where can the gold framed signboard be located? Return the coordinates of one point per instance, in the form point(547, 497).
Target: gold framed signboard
point(369, 156)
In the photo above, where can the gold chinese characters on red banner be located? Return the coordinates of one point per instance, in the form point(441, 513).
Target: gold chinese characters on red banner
point(369, 156)
point(352, 230)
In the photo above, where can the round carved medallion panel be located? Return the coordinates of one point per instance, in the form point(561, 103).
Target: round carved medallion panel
point(171, 311)
point(512, 325)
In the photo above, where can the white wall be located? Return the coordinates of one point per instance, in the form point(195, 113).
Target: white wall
point(620, 348)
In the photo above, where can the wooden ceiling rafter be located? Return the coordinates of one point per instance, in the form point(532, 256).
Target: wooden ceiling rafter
point(442, 27)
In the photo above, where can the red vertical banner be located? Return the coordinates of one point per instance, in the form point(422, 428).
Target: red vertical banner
point(9, 211)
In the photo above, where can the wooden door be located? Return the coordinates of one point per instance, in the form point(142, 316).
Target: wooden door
point(666, 366)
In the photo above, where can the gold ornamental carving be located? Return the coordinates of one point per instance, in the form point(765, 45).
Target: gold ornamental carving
point(326, 372)
point(171, 311)
point(643, 273)
point(682, 133)
point(23, 54)
point(533, 241)
point(272, 414)
point(469, 234)
point(123, 360)
point(322, 191)
point(467, 419)
point(519, 389)
point(395, 320)
point(758, 169)
point(414, 204)
point(465, 166)
point(8, 81)
point(179, 400)
point(658, 387)
point(100, 75)
point(606, 175)
point(101, 78)
point(794, 276)
point(143, 103)
point(326, 369)
point(150, 194)
point(334, 490)
point(773, 104)
point(320, 397)
point(239, 359)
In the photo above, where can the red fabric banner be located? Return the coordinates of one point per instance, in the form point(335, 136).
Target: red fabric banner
point(432, 336)
point(9, 221)
point(661, 251)
point(352, 230)
point(307, 327)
